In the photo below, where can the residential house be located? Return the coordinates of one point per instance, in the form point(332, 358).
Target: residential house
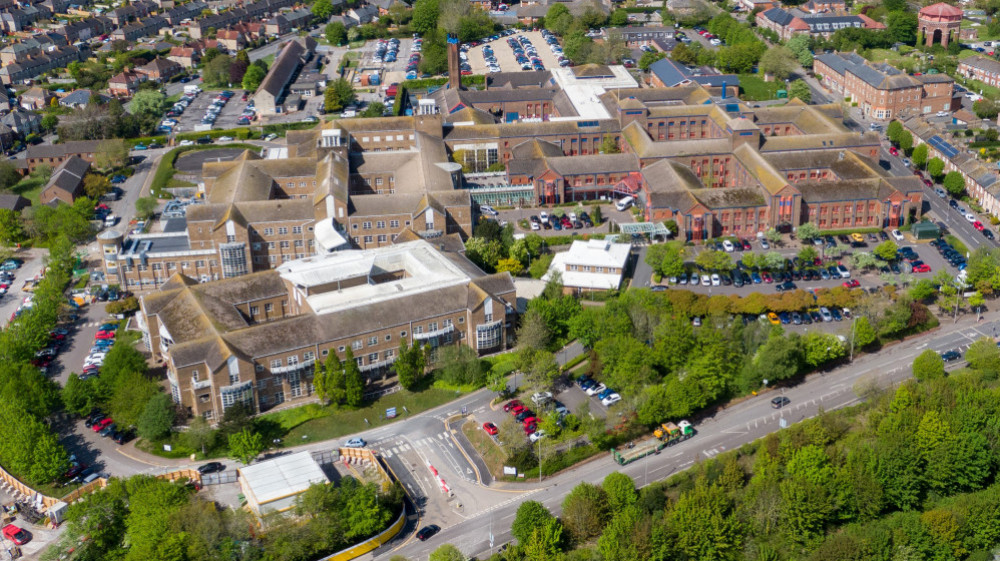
point(148, 27)
point(131, 12)
point(635, 37)
point(66, 183)
point(32, 66)
point(81, 98)
point(231, 39)
point(85, 29)
point(14, 202)
point(160, 69)
point(287, 21)
point(126, 83)
point(20, 19)
point(55, 154)
point(185, 56)
point(668, 73)
point(36, 98)
point(983, 69)
point(787, 23)
point(272, 90)
point(22, 122)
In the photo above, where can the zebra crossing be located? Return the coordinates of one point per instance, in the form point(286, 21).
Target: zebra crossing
point(391, 447)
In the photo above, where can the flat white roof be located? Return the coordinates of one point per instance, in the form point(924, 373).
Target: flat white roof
point(585, 93)
point(423, 267)
point(592, 253)
point(282, 476)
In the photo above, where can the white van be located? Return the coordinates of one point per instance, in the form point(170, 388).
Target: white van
point(624, 203)
point(110, 220)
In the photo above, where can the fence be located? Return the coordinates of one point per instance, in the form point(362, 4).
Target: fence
point(371, 544)
point(95, 485)
point(23, 489)
point(191, 474)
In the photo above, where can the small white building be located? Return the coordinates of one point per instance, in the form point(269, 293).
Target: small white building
point(591, 265)
point(272, 486)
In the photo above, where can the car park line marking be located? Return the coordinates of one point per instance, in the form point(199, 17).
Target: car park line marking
point(441, 436)
point(395, 450)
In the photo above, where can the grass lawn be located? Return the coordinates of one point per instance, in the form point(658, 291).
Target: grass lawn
point(314, 422)
point(30, 188)
point(484, 444)
point(756, 89)
point(179, 183)
point(880, 55)
point(985, 89)
point(269, 59)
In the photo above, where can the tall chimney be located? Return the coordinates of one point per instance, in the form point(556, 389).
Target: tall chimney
point(454, 71)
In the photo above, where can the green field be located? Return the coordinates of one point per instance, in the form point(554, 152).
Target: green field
point(30, 188)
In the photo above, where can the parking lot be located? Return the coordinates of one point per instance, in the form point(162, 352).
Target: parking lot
point(392, 72)
point(30, 268)
point(505, 54)
point(608, 211)
point(194, 113)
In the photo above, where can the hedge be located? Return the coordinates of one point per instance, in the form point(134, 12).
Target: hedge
point(241, 134)
point(165, 171)
point(422, 83)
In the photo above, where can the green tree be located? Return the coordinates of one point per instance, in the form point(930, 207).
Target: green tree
point(609, 146)
point(11, 231)
point(666, 259)
point(985, 108)
point(336, 33)
point(322, 9)
point(893, 131)
point(935, 168)
point(253, 77)
point(147, 102)
point(245, 445)
point(902, 26)
point(410, 364)
point(684, 54)
point(354, 383)
point(954, 183)
point(864, 333)
point(373, 109)
point(446, 552)
point(799, 45)
point(530, 515)
point(808, 231)
point(800, 89)
point(545, 542)
point(648, 58)
point(50, 122)
point(96, 185)
point(585, 511)
point(710, 529)
point(199, 435)
point(619, 18)
point(714, 261)
point(906, 142)
point(157, 417)
point(78, 395)
point(779, 61)
point(983, 355)
point(919, 156)
point(425, 16)
point(338, 94)
point(886, 251)
point(928, 365)
point(620, 490)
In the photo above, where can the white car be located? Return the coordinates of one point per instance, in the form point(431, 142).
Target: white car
point(186, 142)
point(544, 216)
point(970, 217)
point(270, 137)
point(706, 280)
point(716, 280)
point(536, 226)
point(611, 399)
point(572, 216)
point(594, 390)
point(541, 398)
point(536, 436)
point(897, 235)
point(728, 246)
point(225, 139)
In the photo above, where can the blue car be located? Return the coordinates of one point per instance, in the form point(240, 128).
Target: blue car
point(605, 393)
point(139, 147)
point(355, 443)
point(118, 179)
point(756, 278)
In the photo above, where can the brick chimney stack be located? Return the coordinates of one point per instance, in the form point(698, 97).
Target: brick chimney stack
point(454, 70)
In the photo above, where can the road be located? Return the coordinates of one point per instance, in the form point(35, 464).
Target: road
point(732, 427)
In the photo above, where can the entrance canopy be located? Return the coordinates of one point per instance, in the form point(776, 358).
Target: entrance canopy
point(652, 229)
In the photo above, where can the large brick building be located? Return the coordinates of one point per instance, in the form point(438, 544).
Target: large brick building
point(882, 91)
point(255, 339)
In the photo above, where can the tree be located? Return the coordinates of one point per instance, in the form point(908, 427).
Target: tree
point(800, 89)
point(145, 207)
point(336, 33)
point(585, 511)
point(714, 261)
point(199, 435)
point(620, 490)
point(935, 168)
point(886, 251)
point(147, 102)
point(983, 355)
point(338, 94)
point(778, 61)
point(425, 16)
point(322, 9)
point(354, 383)
point(683, 54)
point(808, 231)
point(648, 58)
point(609, 146)
point(596, 215)
point(9, 176)
point(530, 515)
point(619, 18)
point(902, 26)
point(410, 364)
point(954, 183)
point(893, 131)
point(545, 542)
point(96, 185)
point(864, 333)
point(245, 445)
point(711, 531)
point(773, 235)
point(374, 109)
point(799, 45)
point(985, 108)
point(78, 395)
point(252, 78)
point(446, 552)
point(928, 365)
point(216, 71)
point(157, 417)
point(919, 156)
point(50, 122)
point(11, 231)
point(667, 259)
point(905, 142)
point(111, 153)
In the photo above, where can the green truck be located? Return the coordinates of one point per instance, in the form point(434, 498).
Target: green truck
point(665, 435)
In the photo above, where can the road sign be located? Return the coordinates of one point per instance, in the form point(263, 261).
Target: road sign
point(390, 413)
point(491, 539)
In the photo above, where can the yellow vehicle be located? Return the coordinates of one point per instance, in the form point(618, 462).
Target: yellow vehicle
point(773, 318)
point(857, 237)
point(666, 429)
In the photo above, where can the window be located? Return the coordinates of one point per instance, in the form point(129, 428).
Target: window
point(298, 243)
point(367, 225)
point(368, 239)
point(380, 224)
point(372, 358)
point(373, 340)
point(402, 335)
point(293, 360)
point(394, 223)
point(282, 230)
point(194, 375)
point(297, 229)
point(378, 181)
point(254, 310)
point(258, 367)
point(358, 345)
point(285, 244)
point(268, 231)
point(418, 330)
point(269, 307)
point(382, 238)
point(308, 355)
point(433, 326)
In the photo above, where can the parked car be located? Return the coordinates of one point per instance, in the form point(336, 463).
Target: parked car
point(428, 531)
point(15, 534)
point(490, 429)
point(356, 442)
point(780, 402)
point(211, 467)
point(511, 404)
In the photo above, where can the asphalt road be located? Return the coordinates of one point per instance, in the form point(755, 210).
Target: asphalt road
point(730, 428)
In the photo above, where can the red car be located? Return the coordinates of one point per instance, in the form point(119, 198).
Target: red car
point(925, 268)
point(102, 424)
point(16, 535)
point(529, 429)
point(530, 421)
point(893, 151)
point(518, 410)
point(853, 283)
point(928, 183)
point(490, 429)
point(746, 245)
point(510, 405)
point(105, 335)
point(767, 277)
point(978, 225)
